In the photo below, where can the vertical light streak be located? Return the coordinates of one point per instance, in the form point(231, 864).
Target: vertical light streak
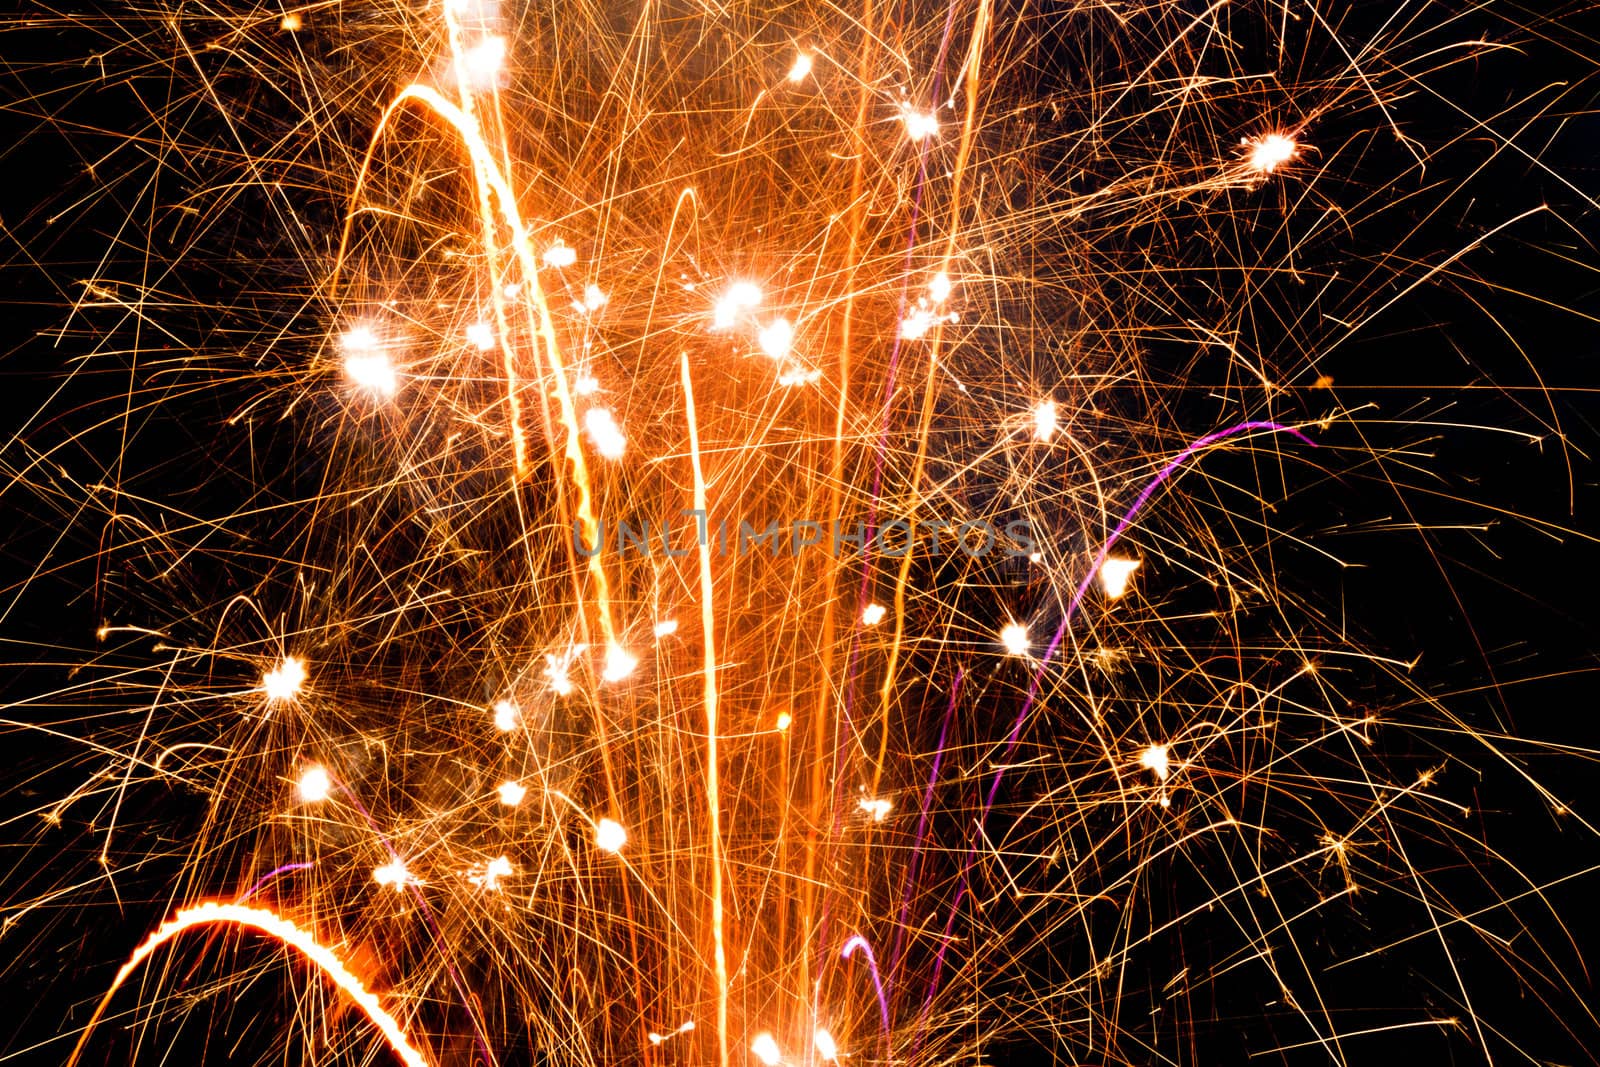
point(713, 800)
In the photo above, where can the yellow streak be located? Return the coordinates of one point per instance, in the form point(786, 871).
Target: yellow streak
point(713, 801)
point(275, 926)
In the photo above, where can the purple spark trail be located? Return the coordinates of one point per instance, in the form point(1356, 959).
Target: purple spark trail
point(269, 876)
point(859, 942)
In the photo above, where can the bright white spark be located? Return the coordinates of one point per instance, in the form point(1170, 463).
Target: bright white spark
point(784, 719)
point(619, 664)
point(827, 1048)
point(1155, 759)
point(394, 875)
point(609, 836)
point(1015, 639)
point(874, 614)
point(586, 385)
point(511, 793)
point(801, 68)
point(1044, 420)
point(799, 376)
point(489, 877)
point(482, 63)
point(374, 373)
point(939, 288)
point(1268, 153)
point(283, 682)
point(604, 433)
point(878, 809)
point(594, 298)
point(506, 715)
point(666, 628)
point(777, 338)
point(559, 255)
point(740, 297)
point(315, 785)
point(1115, 574)
point(557, 668)
point(920, 125)
point(481, 335)
point(765, 1047)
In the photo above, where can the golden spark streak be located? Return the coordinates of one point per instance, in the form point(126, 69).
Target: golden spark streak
point(713, 801)
point(274, 926)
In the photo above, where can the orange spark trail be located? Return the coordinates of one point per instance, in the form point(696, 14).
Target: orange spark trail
point(274, 925)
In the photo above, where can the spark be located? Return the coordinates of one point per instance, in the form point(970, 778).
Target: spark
point(560, 255)
point(506, 715)
point(656, 1039)
point(878, 809)
point(291, 22)
point(1014, 639)
point(777, 338)
point(1270, 152)
point(666, 628)
point(783, 721)
point(1156, 760)
point(800, 68)
point(765, 1047)
point(315, 785)
point(481, 336)
point(482, 63)
point(604, 433)
point(365, 364)
point(488, 875)
point(939, 288)
point(827, 1048)
point(511, 793)
point(1115, 575)
point(609, 836)
point(393, 875)
point(873, 615)
point(920, 125)
point(285, 680)
point(619, 664)
point(1044, 420)
point(740, 298)
point(594, 298)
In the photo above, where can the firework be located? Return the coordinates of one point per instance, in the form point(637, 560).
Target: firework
point(738, 534)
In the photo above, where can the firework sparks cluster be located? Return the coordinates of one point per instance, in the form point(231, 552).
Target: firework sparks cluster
point(737, 534)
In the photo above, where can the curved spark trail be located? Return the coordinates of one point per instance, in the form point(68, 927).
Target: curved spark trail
point(285, 931)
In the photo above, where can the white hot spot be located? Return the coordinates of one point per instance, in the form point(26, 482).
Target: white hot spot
point(1115, 575)
point(488, 875)
point(740, 298)
point(284, 681)
point(619, 664)
point(920, 125)
point(373, 373)
point(1269, 153)
point(594, 298)
point(291, 23)
point(511, 793)
point(558, 670)
point(393, 874)
point(915, 325)
point(604, 433)
point(939, 288)
point(506, 715)
point(586, 385)
point(1014, 638)
point(878, 809)
point(609, 836)
point(560, 255)
point(1044, 420)
point(794, 376)
point(765, 1047)
point(482, 63)
point(873, 615)
point(481, 336)
point(315, 785)
point(783, 721)
point(827, 1048)
point(777, 338)
point(1156, 759)
point(800, 68)
point(666, 628)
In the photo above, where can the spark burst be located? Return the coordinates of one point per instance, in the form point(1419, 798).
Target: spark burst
point(486, 279)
